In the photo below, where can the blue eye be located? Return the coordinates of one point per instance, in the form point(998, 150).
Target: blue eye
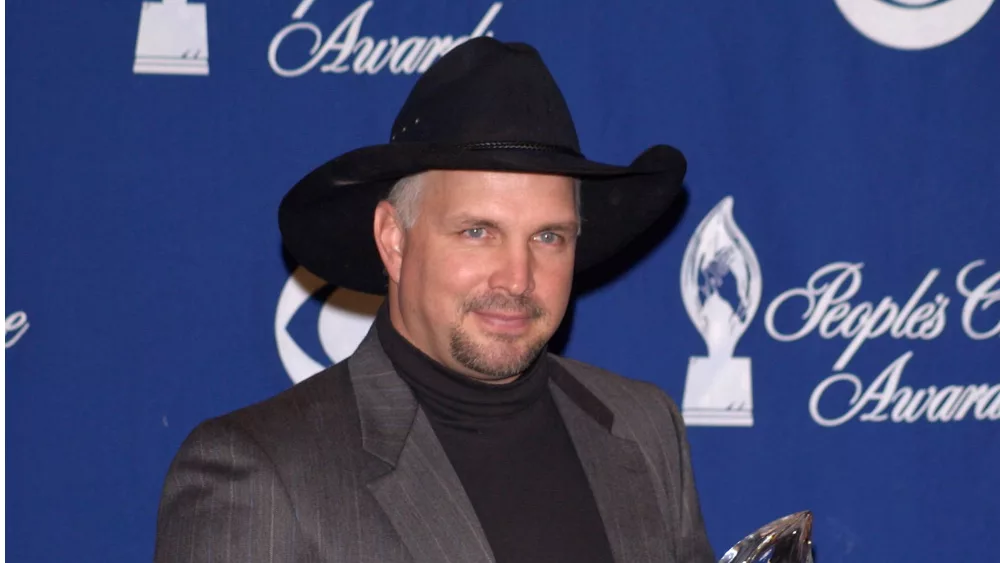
point(549, 237)
point(476, 232)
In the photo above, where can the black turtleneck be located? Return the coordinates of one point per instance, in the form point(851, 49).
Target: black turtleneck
point(511, 452)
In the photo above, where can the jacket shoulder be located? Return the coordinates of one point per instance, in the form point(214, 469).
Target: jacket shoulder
point(287, 420)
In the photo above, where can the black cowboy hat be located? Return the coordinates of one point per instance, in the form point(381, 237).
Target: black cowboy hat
point(485, 105)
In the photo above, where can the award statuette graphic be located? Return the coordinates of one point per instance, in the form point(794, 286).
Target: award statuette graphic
point(721, 287)
point(786, 540)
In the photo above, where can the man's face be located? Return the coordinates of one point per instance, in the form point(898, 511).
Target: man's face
point(485, 272)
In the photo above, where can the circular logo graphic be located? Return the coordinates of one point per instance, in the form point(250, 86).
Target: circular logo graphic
point(913, 24)
point(343, 322)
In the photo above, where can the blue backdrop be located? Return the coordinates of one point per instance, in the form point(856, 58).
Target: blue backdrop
point(827, 310)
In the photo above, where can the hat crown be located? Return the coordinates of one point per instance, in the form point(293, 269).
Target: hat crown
point(486, 91)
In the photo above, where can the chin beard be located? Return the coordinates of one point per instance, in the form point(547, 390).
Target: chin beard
point(495, 366)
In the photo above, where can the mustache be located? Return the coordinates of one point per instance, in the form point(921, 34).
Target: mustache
point(505, 303)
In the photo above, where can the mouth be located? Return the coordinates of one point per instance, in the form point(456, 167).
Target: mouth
point(500, 321)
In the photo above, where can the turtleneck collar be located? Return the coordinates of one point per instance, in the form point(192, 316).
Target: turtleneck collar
point(452, 398)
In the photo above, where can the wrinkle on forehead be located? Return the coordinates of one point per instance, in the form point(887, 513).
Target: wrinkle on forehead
point(407, 194)
point(500, 197)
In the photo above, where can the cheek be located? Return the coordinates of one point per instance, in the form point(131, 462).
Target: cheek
point(442, 279)
point(461, 276)
point(553, 283)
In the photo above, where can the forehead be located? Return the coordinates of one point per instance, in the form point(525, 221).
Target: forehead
point(507, 193)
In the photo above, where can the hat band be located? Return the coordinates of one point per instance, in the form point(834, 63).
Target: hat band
point(518, 145)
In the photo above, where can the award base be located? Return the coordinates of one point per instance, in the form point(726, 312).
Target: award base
point(718, 392)
point(172, 39)
point(172, 65)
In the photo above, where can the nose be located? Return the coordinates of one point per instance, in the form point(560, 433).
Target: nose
point(514, 272)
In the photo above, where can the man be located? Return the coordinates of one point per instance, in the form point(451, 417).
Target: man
point(452, 434)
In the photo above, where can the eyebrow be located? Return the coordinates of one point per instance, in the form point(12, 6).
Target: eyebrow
point(567, 227)
point(474, 221)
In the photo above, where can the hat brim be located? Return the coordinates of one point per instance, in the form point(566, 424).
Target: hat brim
point(326, 218)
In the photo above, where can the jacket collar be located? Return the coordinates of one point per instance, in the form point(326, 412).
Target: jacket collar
point(387, 406)
point(423, 496)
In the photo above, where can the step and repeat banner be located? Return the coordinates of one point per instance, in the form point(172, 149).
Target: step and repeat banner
point(826, 311)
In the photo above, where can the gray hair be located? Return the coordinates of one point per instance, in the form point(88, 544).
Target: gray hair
point(405, 198)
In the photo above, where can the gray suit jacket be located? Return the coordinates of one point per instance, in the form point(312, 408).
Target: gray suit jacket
point(346, 467)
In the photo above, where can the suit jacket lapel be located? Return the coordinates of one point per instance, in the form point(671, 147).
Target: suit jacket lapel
point(619, 475)
point(419, 492)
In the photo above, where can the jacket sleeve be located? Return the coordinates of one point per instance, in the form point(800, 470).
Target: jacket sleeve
point(692, 544)
point(223, 501)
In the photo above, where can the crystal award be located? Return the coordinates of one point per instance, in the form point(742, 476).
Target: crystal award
point(786, 540)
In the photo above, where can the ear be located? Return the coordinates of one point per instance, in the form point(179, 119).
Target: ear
point(389, 238)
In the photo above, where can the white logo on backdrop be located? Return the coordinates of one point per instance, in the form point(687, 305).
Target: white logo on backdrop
point(828, 311)
point(913, 24)
point(17, 324)
point(173, 39)
point(343, 322)
point(720, 285)
point(721, 289)
point(345, 49)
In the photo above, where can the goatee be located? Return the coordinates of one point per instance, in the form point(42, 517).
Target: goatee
point(494, 365)
point(498, 364)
